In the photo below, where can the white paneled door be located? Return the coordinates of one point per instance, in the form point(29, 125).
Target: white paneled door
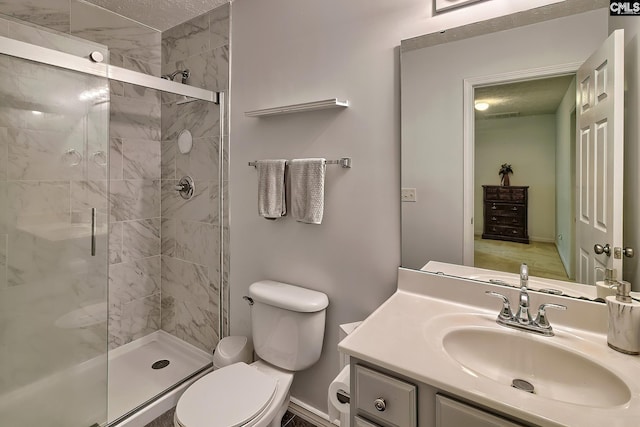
point(599, 158)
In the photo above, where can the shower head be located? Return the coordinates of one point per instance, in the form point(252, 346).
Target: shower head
point(185, 75)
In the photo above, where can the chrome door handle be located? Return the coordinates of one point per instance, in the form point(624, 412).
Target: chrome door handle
point(93, 231)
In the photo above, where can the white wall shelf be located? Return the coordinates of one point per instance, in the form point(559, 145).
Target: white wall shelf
point(297, 108)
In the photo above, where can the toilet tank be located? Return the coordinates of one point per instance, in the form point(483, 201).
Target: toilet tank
point(287, 324)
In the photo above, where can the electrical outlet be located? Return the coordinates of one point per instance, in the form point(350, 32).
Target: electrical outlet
point(408, 195)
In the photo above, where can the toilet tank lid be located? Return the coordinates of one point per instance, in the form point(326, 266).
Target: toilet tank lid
point(288, 297)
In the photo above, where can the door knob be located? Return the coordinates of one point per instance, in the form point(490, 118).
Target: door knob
point(628, 252)
point(599, 249)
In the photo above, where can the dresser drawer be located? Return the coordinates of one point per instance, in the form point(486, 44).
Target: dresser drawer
point(505, 194)
point(501, 218)
point(386, 400)
point(508, 209)
point(501, 230)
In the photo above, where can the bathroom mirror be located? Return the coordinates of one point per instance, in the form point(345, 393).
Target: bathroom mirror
point(554, 40)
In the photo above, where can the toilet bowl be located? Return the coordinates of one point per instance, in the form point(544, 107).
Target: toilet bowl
point(287, 323)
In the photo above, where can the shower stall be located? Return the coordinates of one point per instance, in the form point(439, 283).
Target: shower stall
point(112, 284)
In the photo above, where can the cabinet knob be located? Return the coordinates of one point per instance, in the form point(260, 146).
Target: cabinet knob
point(515, 208)
point(493, 207)
point(493, 218)
point(380, 404)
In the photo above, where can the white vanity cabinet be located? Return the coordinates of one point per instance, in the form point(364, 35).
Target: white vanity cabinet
point(380, 398)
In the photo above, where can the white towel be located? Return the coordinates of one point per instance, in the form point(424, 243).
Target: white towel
point(307, 189)
point(271, 188)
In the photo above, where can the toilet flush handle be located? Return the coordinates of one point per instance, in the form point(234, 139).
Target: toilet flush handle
point(248, 299)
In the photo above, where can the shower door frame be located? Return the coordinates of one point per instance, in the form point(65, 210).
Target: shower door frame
point(67, 61)
point(87, 65)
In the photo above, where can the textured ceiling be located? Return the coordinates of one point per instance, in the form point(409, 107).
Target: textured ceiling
point(526, 98)
point(159, 14)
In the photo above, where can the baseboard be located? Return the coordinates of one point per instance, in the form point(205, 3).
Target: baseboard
point(309, 413)
point(541, 239)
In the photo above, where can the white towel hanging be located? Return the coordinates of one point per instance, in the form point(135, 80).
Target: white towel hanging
point(271, 188)
point(307, 189)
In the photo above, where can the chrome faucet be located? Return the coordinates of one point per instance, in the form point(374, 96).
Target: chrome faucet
point(523, 316)
point(522, 319)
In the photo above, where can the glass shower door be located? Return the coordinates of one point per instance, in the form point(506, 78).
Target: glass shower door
point(53, 246)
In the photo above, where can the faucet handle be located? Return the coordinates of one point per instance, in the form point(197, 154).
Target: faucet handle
point(541, 319)
point(505, 312)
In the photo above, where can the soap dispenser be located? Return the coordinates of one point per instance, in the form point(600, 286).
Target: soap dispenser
point(624, 320)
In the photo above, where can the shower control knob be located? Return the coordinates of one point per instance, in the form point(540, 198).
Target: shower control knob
point(380, 404)
point(186, 187)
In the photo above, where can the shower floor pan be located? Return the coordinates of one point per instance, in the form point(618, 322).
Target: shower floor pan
point(76, 397)
point(132, 379)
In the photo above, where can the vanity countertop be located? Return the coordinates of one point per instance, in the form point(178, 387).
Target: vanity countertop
point(405, 335)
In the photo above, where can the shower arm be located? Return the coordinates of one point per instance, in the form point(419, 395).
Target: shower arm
point(185, 75)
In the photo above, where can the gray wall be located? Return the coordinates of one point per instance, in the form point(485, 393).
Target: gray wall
point(289, 51)
point(565, 179)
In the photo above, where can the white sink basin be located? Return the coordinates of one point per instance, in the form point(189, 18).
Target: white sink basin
point(555, 372)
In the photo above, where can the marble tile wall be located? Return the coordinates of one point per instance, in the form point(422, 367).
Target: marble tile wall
point(190, 228)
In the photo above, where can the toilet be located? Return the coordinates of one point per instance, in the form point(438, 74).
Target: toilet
point(287, 324)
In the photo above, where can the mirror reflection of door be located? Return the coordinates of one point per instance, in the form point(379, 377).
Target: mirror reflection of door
point(600, 115)
point(527, 125)
point(531, 126)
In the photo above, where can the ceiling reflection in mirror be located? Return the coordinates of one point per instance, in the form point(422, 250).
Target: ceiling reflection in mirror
point(433, 71)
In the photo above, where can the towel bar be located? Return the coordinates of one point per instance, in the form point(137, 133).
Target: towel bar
point(345, 162)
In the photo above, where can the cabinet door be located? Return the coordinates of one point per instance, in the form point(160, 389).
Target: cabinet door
point(450, 413)
point(388, 401)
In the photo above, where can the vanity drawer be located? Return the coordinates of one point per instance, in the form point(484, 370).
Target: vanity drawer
point(388, 401)
point(361, 422)
point(451, 413)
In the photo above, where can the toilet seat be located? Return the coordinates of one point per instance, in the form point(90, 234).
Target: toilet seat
point(228, 397)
